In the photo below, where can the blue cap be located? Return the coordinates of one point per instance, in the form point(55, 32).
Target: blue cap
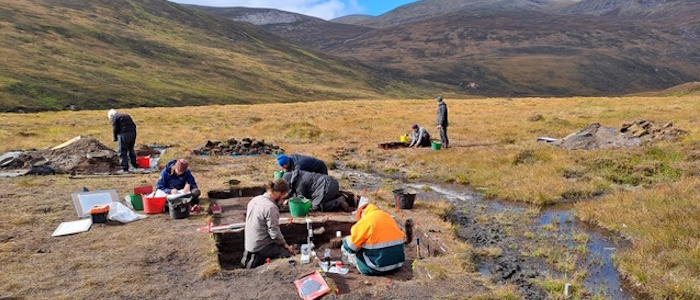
point(415, 126)
point(282, 159)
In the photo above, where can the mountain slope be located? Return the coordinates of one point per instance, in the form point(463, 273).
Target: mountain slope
point(532, 53)
point(531, 47)
point(301, 29)
point(353, 19)
point(427, 9)
point(121, 53)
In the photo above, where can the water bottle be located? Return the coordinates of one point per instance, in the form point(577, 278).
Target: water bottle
point(327, 255)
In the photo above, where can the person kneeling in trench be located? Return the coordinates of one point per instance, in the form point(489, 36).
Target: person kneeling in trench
point(177, 179)
point(323, 190)
point(263, 238)
point(375, 240)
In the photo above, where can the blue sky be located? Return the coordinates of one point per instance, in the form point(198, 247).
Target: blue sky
point(325, 9)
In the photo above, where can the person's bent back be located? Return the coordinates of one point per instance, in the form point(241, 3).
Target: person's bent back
point(376, 241)
point(302, 162)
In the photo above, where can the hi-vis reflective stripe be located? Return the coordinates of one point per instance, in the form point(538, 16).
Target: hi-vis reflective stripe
point(383, 244)
point(380, 269)
point(350, 244)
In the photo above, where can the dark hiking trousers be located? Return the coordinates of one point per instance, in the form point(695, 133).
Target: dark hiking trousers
point(331, 201)
point(443, 137)
point(127, 141)
point(253, 260)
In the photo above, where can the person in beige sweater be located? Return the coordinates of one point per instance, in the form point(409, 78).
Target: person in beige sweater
point(263, 238)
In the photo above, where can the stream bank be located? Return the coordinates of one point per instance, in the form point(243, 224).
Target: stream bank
point(539, 250)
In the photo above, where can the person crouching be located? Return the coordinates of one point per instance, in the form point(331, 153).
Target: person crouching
point(263, 237)
point(375, 240)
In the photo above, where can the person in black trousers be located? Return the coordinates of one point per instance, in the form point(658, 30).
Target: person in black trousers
point(442, 122)
point(124, 131)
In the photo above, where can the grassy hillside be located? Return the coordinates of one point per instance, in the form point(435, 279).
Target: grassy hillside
point(126, 53)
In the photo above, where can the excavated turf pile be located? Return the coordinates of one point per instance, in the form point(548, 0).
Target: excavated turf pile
point(85, 155)
point(245, 146)
point(144, 150)
point(632, 134)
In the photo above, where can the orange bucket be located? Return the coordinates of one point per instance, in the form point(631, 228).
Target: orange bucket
point(144, 162)
point(153, 205)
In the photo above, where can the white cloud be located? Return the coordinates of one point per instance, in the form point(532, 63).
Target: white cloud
point(325, 9)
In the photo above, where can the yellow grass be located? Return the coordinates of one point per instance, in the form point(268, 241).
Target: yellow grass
point(651, 189)
point(662, 223)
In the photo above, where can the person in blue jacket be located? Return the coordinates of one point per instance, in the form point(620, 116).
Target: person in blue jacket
point(301, 162)
point(176, 178)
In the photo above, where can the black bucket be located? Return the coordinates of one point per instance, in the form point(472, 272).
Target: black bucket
point(405, 199)
point(179, 209)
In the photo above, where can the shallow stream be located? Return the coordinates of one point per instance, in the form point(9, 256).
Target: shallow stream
point(535, 243)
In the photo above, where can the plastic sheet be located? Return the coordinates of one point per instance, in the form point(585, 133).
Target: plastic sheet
point(121, 213)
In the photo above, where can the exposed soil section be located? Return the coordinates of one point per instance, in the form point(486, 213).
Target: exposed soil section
point(230, 244)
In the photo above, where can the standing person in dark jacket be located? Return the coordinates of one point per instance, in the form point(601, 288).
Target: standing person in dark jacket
point(301, 162)
point(176, 178)
point(124, 131)
point(321, 189)
point(442, 122)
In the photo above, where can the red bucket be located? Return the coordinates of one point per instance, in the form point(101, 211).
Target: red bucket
point(144, 162)
point(153, 205)
point(143, 190)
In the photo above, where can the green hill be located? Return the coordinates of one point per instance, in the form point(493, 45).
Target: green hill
point(126, 53)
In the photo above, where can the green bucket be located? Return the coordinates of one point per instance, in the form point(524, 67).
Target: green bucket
point(136, 201)
point(279, 175)
point(435, 145)
point(299, 206)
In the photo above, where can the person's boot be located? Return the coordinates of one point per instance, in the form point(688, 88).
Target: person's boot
point(344, 204)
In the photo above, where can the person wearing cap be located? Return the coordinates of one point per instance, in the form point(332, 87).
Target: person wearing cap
point(323, 190)
point(375, 240)
point(124, 131)
point(263, 238)
point(301, 162)
point(177, 179)
point(420, 137)
point(442, 122)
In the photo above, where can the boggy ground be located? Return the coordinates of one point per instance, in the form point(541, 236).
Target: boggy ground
point(646, 194)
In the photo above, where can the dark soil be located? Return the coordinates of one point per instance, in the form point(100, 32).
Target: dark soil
point(87, 155)
point(145, 150)
point(508, 267)
point(232, 146)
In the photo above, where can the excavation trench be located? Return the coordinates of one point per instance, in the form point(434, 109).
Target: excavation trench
point(521, 244)
point(230, 245)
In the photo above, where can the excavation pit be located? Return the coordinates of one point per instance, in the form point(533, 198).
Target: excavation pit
point(230, 245)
